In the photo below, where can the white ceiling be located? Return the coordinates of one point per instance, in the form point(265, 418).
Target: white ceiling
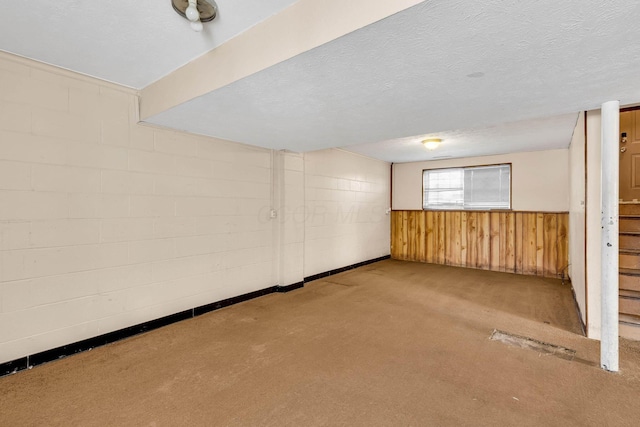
point(130, 42)
point(538, 134)
point(439, 66)
point(490, 76)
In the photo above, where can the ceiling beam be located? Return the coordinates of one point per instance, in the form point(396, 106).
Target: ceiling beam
point(301, 27)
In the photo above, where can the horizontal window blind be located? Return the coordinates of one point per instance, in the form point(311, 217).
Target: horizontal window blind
point(477, 187)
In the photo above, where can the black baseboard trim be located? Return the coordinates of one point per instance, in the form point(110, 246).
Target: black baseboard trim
point(36, 359)
point(207, 308)
point(100, 340)
point(13, 366)
point(343, 269)
point(289, 288)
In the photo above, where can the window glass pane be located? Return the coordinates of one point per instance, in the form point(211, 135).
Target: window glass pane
point(482, 187)
point(444, 188)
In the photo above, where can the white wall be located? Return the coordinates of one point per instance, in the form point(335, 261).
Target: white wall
point(346, 198)
point(291, 219)
point(105, 223)
point(540, 180)
point(594, 214)
point(577, 215)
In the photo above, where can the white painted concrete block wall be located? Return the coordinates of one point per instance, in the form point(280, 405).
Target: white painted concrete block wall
point(105, 223)
point(347, 196)
point(293, 219)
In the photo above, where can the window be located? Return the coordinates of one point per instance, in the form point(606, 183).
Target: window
point(476, 187)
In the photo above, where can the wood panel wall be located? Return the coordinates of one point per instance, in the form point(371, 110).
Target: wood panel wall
point(533, 243)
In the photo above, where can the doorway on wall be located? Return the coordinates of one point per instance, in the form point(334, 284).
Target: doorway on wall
point(629, 239)
point(630, 154)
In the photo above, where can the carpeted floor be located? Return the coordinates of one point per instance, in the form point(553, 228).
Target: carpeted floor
point(393, 343)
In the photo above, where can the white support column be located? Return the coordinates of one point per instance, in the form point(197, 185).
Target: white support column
point(609, 191)
point(276, 215)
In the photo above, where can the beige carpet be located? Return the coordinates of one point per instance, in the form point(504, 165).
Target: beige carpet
point(393, 343)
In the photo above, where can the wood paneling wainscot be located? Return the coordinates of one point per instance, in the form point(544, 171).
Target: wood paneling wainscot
point(533, 243)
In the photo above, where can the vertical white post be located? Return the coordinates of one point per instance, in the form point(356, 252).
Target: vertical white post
point(609, 278)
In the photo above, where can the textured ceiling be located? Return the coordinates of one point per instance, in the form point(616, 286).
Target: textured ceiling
point(439, 66)
point(130, 42)
point(540, 134)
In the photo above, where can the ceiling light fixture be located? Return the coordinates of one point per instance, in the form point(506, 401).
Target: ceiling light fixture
point(431, 143)
point(196, 11)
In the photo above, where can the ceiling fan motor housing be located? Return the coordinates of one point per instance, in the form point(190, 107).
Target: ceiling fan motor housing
point(206, 9)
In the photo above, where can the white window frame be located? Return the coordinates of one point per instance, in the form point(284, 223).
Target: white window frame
point(461, 204)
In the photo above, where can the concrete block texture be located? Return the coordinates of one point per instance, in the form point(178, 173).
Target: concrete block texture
point(106, 223)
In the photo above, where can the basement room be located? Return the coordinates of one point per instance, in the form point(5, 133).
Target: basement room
point(319, 213)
